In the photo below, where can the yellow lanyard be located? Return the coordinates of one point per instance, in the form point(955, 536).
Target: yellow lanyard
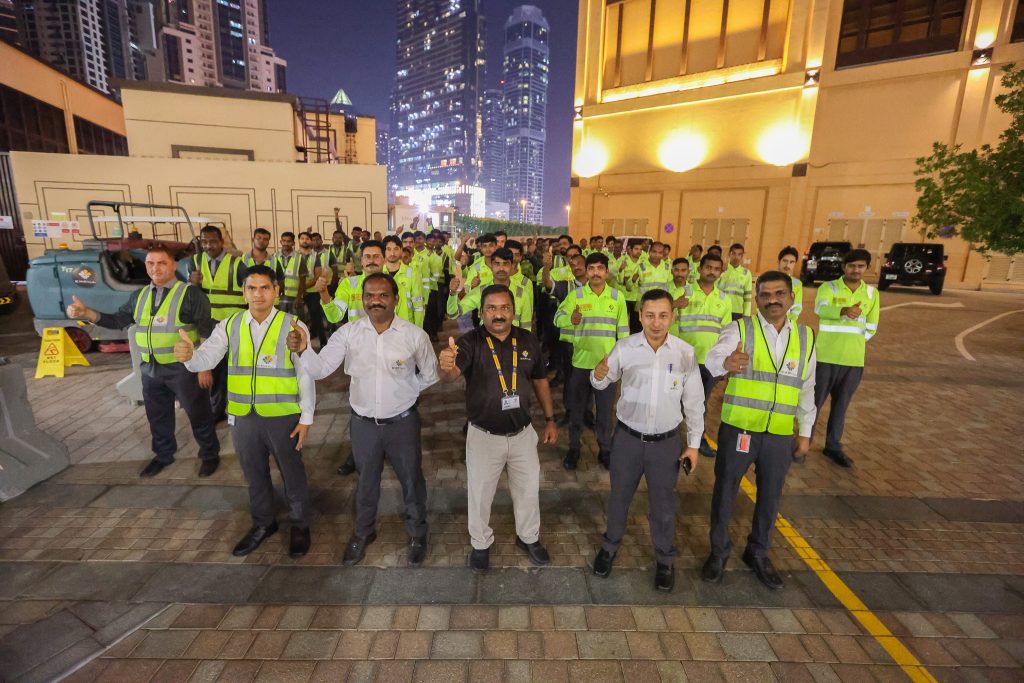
point(515, 367)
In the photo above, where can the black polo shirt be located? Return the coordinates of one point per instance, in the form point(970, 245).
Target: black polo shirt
point(483, 389)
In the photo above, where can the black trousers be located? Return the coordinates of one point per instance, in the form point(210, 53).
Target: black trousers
point(737, 316)
point(658, 463)
point(219, 390)
point(431, 321)
point(399, 443)
point(256, 440)
point(633, 308)
point(838, 382)
point(161, 385)
point(771, 456)
point(579, 392)
point(316, 319)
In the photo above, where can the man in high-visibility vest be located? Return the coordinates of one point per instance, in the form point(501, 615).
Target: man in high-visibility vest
point(259, 254)
point(627, 270)
point(461, 302)
point(478, 273)
point(429, 263)
point(270, 408)
point(788, 259)
point(770, 395)
point(696, 251)
point(160, 310)
point(597, 315)
point(680, 291)
point(348, 298)
point(847, 311)
point(219, 274)
point(655, 273)
point(411, 296)
point(737, 283)
point(286, 262)
point(702, 321)
point(311, 264)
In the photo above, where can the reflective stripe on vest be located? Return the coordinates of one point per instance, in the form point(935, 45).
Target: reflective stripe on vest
point(290, 266)
point(263, 379)
point(157, 334)
point(764, 398)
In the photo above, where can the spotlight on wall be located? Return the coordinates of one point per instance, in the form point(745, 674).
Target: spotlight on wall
point(577, 114)
point(590, 159)
point(982, 57)
point(811, 77)
point(682, 151)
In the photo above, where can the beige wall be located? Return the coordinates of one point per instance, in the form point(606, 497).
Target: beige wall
point(244, 196)
point(692, 157)
point(215, 127)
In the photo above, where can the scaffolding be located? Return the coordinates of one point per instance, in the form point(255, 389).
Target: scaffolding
point(319, 140)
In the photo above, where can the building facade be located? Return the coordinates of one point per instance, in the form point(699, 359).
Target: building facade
point(493, 141)
point(436, 101)
point(782, 123)
point(68, 35)
point(525, 73)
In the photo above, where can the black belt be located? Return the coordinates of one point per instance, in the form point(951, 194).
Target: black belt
point(385, 420)
point(648, 438)
point(507, 436)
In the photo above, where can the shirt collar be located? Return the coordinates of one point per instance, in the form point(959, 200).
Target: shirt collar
point(247, 318)
point(765, 323)
point(396, 324)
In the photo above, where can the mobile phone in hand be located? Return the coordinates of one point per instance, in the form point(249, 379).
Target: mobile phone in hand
point(687, 466)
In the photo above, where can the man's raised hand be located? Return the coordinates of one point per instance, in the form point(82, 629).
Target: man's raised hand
point(297, 341)
point(184, 348)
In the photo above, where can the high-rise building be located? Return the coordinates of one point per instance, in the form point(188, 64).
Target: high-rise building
point(384, 143)
point(525, 72)
point(8, 23)
point(493, 141)
point(435, 106)
point(217, 43)
point(67, 34)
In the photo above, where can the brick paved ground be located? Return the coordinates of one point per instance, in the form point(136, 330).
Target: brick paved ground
point(927, 529)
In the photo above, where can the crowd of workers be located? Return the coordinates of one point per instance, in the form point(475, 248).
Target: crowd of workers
point(637, 340)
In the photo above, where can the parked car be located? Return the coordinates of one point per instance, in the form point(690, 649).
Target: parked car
point(108, 268)
point(914, 263)
point(823, 261)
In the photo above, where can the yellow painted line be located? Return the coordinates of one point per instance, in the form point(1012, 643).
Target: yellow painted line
point(871, 623)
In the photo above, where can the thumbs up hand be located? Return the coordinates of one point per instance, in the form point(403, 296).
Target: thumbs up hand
point(321, 284)
point(681, 302)
point(577, 316)
point(184, 349)
point(636, 276)
point(350, 270)
point(196, 277)
point(475, 283)
point(297, 341)
point(77, 310)
point(851, 312)
point(601, 371)
point(446, 359)
point(737, 361)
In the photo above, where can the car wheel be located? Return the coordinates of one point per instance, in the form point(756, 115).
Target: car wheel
point(883, 284)
point(80, 338)
point(936, 286)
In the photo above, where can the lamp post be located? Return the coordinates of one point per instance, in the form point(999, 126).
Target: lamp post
point(567, 209)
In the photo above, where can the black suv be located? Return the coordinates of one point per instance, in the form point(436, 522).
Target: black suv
point(824, 261)
point(914, 264)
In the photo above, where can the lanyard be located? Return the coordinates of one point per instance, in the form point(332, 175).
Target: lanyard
point(515, 367)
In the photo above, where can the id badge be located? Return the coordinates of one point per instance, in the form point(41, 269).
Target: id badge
point(267, 360)
point(743, 443)
point(231, 420)
point(160, 320)
point(510, 402)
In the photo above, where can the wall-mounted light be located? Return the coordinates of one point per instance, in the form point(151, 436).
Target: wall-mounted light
point(983, 40)
point(682, 151)
point(590, 159)
point(982, 57)
point(782, 145)
point(577, 114)
point(812, 77)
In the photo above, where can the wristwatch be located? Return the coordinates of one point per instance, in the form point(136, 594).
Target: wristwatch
point(549, 418)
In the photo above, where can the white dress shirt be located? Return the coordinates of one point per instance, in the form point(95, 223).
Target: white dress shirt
point(778, 341)
point(656, 386)
point(382, 366)
point(209, 353)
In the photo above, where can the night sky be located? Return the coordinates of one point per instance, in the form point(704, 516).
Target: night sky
point(350, 44)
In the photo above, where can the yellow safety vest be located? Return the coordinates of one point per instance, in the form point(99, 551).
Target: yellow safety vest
point(157, 334)
point(225, 295)
point(263, 379)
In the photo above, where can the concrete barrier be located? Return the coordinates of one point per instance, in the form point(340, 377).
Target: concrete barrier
point(131, 386)
point(27, 454)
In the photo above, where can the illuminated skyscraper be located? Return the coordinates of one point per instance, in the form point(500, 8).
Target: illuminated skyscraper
point(493, 141)
point(525, 74)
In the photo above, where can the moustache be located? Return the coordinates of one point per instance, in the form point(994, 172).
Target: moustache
point(499, 320)
point(375, 307)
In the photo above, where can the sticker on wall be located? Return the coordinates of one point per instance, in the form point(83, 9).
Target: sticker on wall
point(669, 227)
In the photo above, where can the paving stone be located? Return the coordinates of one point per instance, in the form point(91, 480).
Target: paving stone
point(968, 510)
point(311, 645)
point(164, 644)
point(792, 672)
point(174, 671)
point(223, 672)
point(200, 616)
point(53, 667)
point(530, 644)
point(788, 647)
point(457, 645)
point(549, 672)
point(533, 586)
point(29, 646)
point(704, 646)
point(501, 644)
point(649, 619)
point(202, 583)
point(426, 585)
point(674, 646)
point(740, 588)
point(413, 645)
point(644, 645)
point(440, 672)
point(467, 617)
point(268, 645)
point(242, 616)
point(591, 672)
point(135, 617)
point(131, 669)
point(314, 585)
point(406, 618)
point(16, 577)
point(285, 672)
point(917, 625)
point(296, 617)
point(636, 587)
point(881, 591)
point(354, 645)
point(142, 496)
point(395, 672)
point(783, 621)
point(972, 626)
point(560, 645)
point(207, 645)
point(602, 645)
point(810, 506)
point(635, 670)
point(518, 618)
point(95, 581)
point(610, 619)
point(542, 618)
point(51, 494)
point(964, 592)
point(331, 672)
point(216, 498)
point(746, 647)
point(743, 620)
point(434, 618)
point(384, 645)
point(754, 672)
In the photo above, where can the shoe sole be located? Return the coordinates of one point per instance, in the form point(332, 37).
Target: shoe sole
point(715, 581)
point(349, 563)
point(763, 582)
point(664, 589)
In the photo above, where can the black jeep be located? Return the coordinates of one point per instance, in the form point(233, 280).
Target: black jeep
point(823, 261)
point(914, 264)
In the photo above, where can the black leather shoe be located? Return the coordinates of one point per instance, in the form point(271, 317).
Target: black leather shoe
point(762, 566)
point(799, 459)
point(605, 459)
point(355, 551)
point(253, 539)
point(208, 467)
point(299, 543)
point(347, 467)
point(713, 569)
point(603, 563)
point(664, 578)
point(154, 468)
point(535, 551)
point(705, 449)
point(480, 560)
point(838, 457)
point(572, 457)
point(417, 550)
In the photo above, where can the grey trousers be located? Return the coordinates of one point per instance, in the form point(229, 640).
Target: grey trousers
point(487, 456)
point(579, 391)
point(838, 382)
point(256, 439)
point(771, 456)
point(399, 443)
point(658, 463)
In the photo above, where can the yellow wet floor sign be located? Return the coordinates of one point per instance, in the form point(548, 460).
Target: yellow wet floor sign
point(57, 352)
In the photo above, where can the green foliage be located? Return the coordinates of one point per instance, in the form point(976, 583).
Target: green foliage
point(979, 194)
point(479, 226)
